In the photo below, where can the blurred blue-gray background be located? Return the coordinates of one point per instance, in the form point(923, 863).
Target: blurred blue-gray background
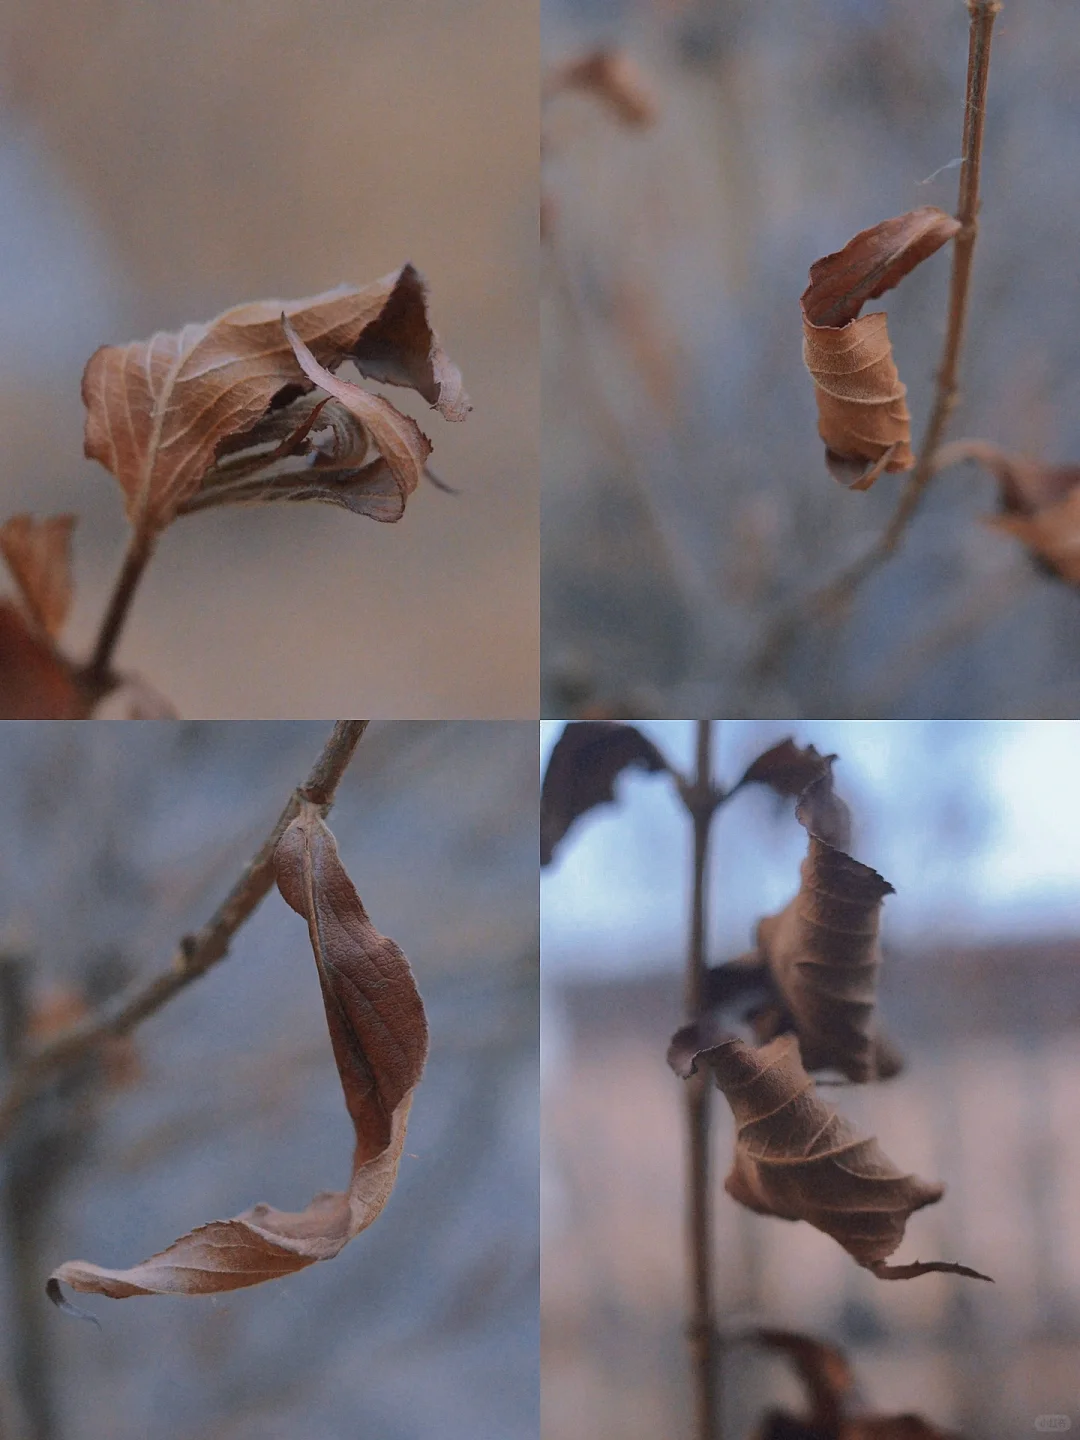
point(687, 503)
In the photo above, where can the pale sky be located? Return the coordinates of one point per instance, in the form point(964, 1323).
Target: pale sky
point(975, 823)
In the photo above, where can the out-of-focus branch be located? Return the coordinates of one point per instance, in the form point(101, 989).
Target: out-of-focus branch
point(196, 953)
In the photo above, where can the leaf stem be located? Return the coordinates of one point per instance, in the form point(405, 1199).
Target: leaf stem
point(96, 676)
point(195, 953)
point(701, 799)
point(832, 598)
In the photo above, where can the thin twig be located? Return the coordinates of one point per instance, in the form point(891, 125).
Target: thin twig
point(701, 799)
point(196, 953)
point(833, 598)
point(97, 673)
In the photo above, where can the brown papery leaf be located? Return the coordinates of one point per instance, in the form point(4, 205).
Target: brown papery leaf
point(1040, 504)
point(615, 79)
point(36, 682)
point(379, 1036)
point(588, 758)
point(159, 411)
point(822, 948)
point(797, 1159)
point(403, 445)
point(862, 412)
point(38, 554)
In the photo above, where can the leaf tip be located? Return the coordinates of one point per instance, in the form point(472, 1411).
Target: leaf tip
point(58, 1298)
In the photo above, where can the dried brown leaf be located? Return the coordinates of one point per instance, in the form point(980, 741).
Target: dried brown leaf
point(795, 1158)
point(613, 78)
point(786, 768)
point(160, 411)
point(588, 758)
point(822, 948)
point(378, 1032)
point(862, 412)
point(38, 554)
point(1040, 504)
point(823, 1370)
point(36, 681)
point(829, 1383)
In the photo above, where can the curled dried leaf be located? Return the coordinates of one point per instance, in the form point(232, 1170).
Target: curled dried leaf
point(862, 411)
point(1040, 504)
point(588, 758)
point(795, 1158)
point(822, 949)
point(403, 446)
point(613, 78)
point(38, 554)
point(379, 1036)
point(161, 411)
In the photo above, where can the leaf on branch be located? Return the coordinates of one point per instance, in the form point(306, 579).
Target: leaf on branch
point(36, 682)
point(795, 1158)
point(160, 411)
point(613, 78)
point(38, 554)
point(1040, 504)
point(588, 758)
point(822, 948)
point(862, 412)
point(379, 1037)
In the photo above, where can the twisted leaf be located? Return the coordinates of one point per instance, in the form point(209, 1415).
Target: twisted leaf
point(378, 1032)
point(795, 1158)
point(588, 758)
point(862, 412)
point(822, 948)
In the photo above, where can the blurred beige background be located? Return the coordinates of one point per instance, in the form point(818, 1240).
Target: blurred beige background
point(161, 162)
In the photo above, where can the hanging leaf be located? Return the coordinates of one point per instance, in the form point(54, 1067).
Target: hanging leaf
point(795, 1158)
point(822, 948)
point(588, 758)
point(160, 411)
point(1040, 504)
point(862, 412)
point(379, 1037)
point(38, 554)
point(36, 682)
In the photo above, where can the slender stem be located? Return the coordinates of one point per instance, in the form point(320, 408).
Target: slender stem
point(833, 597)
point(701, 800)
point(96, 674)
point(196, 953)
